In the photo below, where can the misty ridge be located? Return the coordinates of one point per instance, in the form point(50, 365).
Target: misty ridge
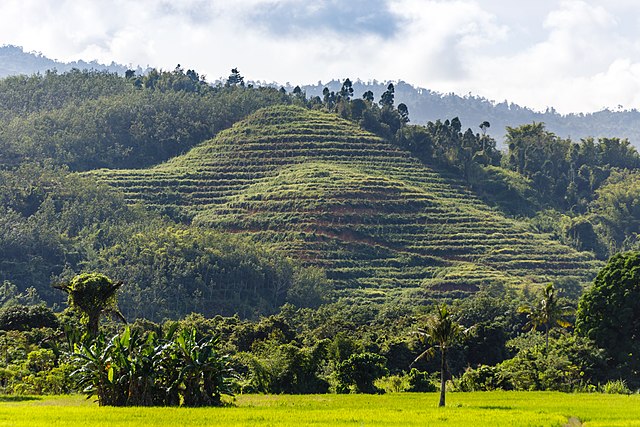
point(424, 105)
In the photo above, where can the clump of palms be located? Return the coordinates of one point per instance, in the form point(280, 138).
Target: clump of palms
point(441, 332)
point(548, 313)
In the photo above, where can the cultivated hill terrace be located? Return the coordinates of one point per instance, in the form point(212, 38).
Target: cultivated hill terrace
point(382, 224)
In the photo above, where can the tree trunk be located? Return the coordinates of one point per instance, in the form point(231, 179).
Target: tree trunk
point(443, 381)
point(93, 324)
point(546, 338)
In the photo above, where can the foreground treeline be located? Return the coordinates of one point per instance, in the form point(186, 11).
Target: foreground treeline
point(494, 340)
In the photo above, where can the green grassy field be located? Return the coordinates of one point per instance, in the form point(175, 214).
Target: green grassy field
point(403, 409)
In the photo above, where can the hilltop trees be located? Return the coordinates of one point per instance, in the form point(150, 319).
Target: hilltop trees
point(614, 214)
point(89, 120)
point(386, 100)
point(593, 183)
point(235, 78)
point(441, 142)
point(565, 173)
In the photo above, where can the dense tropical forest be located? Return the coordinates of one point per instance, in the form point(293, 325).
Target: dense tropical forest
point(256, 239)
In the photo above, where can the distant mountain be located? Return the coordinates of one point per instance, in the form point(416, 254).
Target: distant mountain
point(14, 60)
point(426, 105)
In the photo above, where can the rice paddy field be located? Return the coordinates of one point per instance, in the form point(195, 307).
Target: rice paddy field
point(398, 409)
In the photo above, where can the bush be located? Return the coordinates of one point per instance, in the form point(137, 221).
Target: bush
point(570, 364)
point(392, 383)
point(128, 370)
point(360, 371)
point(483, 378)
point(615, 387)
point(420, 381)
point(284, 368)
point(25, 317)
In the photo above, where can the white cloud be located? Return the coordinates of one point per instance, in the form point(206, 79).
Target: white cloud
point(575, 55)
point(567, 69)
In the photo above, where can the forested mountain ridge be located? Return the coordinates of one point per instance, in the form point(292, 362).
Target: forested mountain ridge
point(425, 105)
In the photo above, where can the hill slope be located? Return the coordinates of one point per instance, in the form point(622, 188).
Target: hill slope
point(383, 224)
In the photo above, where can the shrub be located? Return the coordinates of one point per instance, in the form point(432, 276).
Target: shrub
point(360, 371)
point(127, 370)
point(420, 381)
point(284, 368)
point(615, 387)
point(25, 317)
point(392, 383)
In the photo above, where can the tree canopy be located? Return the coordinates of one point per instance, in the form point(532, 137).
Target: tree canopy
point(609, 313)
point(92, 294)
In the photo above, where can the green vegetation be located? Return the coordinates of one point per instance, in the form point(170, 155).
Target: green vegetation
point(383, 224)
point(263, 242)
point(413, 409)
point(609, 313)
point(548, 313)
point(304, 351)
point(88, 119)
point(92, 294)
point(441, 332)
point(134, 370)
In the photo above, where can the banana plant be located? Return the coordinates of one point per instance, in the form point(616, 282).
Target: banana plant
point(130, 370)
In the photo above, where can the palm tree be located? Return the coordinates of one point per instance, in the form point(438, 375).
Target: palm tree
point(547, 313)
point(441, 332)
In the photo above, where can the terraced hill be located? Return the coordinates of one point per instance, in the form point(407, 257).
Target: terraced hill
point(383, 224)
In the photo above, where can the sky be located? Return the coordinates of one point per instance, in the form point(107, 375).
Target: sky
point(571, 55)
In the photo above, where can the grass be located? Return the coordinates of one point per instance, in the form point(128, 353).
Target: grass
point(400, 409)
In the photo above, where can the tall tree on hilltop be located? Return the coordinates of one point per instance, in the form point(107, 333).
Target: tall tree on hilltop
point(347, 90)
point(235, 79)
point(386, 100)
point(368, 96)
point(403, 110)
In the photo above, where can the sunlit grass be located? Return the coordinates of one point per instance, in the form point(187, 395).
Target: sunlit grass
point(402, 409)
